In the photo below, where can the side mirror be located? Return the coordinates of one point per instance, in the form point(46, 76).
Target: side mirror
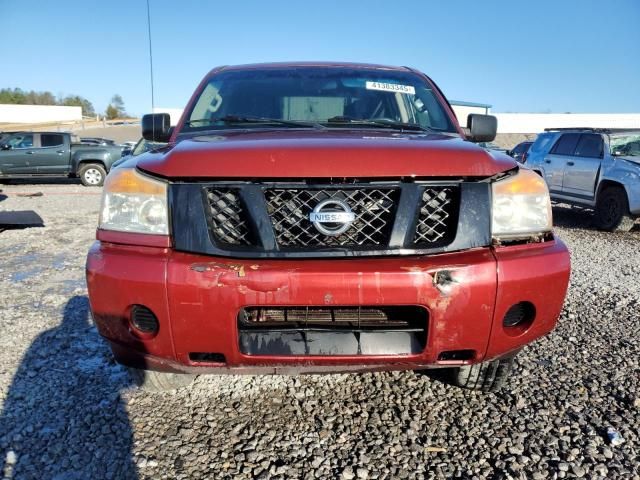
point(5, 146)
point(482, 128)
point(156, 127)
point(509, 152)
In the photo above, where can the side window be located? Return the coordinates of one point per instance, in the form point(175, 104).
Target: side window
point(51, 140)
point(542, 143)
point(21, 141)
point(566, 145)
point(590, 145)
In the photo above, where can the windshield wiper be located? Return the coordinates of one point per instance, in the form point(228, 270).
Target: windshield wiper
point(379, 123)
point(231, 119)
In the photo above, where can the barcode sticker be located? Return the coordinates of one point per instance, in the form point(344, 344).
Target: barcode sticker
point(391, 87)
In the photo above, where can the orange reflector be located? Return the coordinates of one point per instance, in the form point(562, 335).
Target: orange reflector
point(526, 182)
point(128, 180)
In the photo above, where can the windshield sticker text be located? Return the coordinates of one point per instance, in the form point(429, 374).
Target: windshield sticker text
point(391, 87)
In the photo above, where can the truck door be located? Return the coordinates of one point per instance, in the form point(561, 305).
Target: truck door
point(582, 169)
point(556, 160)
point(16, 155)
point(52, 154)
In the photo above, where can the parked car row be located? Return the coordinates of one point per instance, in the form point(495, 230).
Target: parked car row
point(96, 141)
point(519, 152)
point(127, 148)
point(139, 148)
point(596, 168)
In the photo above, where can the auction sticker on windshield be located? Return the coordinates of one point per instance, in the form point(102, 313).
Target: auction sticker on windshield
point(391, 87)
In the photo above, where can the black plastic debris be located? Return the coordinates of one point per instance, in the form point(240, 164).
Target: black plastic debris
point(11, 220)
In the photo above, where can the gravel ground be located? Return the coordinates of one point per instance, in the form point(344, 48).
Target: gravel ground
point(69, 412)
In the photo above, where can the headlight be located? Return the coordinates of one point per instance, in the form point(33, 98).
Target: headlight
point(133, 202)
point(521, 206)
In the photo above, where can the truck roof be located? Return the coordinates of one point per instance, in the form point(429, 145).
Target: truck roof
point(256, 66)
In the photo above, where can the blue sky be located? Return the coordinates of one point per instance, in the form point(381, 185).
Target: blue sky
point(533, 56)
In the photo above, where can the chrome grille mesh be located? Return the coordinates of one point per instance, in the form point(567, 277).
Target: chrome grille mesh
point(289, 209)
point(227, 219)
point(437, 209)
point(284, 212)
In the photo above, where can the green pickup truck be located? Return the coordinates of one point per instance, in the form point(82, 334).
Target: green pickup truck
point(55, 154)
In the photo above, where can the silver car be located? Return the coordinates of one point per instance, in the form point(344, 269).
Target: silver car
point(597, 168)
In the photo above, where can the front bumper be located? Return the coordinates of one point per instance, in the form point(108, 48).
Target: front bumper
point(197, 299)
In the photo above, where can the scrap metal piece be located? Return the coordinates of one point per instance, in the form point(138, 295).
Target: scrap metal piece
point(20, 219)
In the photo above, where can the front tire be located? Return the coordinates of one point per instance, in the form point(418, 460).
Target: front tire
point(612, 211)
point(152, 381)
point(92, 174)
point(485, 377)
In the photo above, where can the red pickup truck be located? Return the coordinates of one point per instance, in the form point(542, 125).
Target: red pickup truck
point(323, 217)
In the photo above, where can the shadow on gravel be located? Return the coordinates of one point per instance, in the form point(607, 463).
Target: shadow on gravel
point(43, 181)
point(63, 417)
point(566, 216)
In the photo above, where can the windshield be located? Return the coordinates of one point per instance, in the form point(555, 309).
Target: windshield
point(543, 143)
point(331, 97)
point(627, 145)
point(144, 146)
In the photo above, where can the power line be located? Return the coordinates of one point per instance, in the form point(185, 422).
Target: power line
point(150, 55)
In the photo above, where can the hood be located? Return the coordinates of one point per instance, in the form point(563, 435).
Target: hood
point(323, 154)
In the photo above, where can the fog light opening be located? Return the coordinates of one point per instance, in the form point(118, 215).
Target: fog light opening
point(144, 321)
point(207, 357)
point(456, 355)
point(519, 318)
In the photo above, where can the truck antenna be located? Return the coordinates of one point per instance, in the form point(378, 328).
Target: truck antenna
point(150, 56)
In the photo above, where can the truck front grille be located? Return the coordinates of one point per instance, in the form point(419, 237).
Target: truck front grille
point(373, 208)
point(280, 219)
point(227, 219)
point(437, 209)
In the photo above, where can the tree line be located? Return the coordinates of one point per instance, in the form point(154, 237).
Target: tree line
point(18, 96)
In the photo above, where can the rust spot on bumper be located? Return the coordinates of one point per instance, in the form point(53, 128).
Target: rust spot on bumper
point(211, 266)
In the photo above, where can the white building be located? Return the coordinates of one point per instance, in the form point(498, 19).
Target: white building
point(537, 122)
point(463, 109)
point(39, 113)
point(174, 113)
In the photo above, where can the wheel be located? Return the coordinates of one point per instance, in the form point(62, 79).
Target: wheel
point(92, 174)
point(153, 381)
point(612, 211)
point(485, 377)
